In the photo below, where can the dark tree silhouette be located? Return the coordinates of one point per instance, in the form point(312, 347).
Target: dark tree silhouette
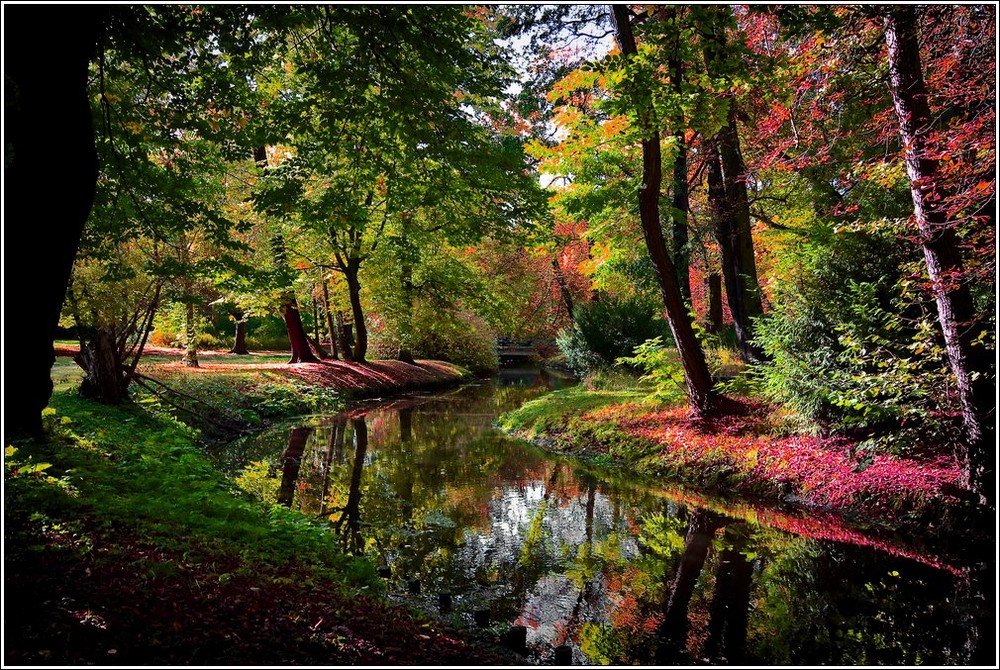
point(49, 181)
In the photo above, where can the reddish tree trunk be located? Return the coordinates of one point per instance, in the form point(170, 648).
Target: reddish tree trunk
point(970, 362)
point(297, 339)
point(696, 374)
point(301, 353)
point(49, 144)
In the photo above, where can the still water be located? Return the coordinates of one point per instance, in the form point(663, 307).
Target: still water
point(620, 571)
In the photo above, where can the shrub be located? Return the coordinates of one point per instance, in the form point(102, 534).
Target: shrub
point(663, 370)
point(610, 328)
point(462, 339)
point(852, 345)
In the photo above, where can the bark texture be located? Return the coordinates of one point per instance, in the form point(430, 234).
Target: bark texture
point(975, 379)
point(730, 206)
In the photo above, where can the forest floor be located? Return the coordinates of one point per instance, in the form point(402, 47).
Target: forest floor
point(749, 452)
point(125, 546)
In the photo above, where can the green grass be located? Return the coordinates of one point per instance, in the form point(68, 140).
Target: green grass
point(124, 470)
point(236, 398)
point(66, 374)
point(229, 400)
point(552, 412)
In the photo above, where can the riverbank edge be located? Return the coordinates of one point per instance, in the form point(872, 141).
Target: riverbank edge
point(616, 429)
point(226, 400)
point(126, 496)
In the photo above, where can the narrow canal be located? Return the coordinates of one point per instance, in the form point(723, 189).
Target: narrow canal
point(463, 520)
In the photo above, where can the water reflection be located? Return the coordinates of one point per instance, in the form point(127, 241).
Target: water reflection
point(620, 572)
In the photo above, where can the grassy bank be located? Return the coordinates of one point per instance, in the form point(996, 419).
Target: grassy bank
point(747, 451)
point(124, 546)
point(228, 394)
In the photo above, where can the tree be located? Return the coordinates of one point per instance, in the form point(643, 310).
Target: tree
point(53, 117)
point(48, 117)
point(696, 374)
point(406, 147)
point(970, 361)
point(727, 192)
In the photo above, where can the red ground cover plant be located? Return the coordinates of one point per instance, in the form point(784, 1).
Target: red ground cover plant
point(820, 472)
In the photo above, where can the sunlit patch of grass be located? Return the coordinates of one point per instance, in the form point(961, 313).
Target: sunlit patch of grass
point(553, 410)
point(65, 373)
point(247, 396)
point(129, 469)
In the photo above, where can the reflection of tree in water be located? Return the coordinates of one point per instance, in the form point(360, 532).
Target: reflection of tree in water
point(447, 500)
point(291, 462)
point(702, 526)
point(334, 455)
point(348, 524)
point(823, 603)
point(727, 627)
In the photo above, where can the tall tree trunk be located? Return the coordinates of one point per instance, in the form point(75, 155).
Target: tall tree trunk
point(731, 211)
point(696, 374)
point(680, 206)
point(315, 341)
point(291, 462)
point(49, 136)
point(316, 337)
point(240, 341)
point(190, 347)
point(970, 362)
point(679, 220)
point(564, 293)
point(360, 331)
point(297, 339)
point(329, 321)
point(104, 376)
point(714, 282)
point(342, 332)
point(406, 330)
